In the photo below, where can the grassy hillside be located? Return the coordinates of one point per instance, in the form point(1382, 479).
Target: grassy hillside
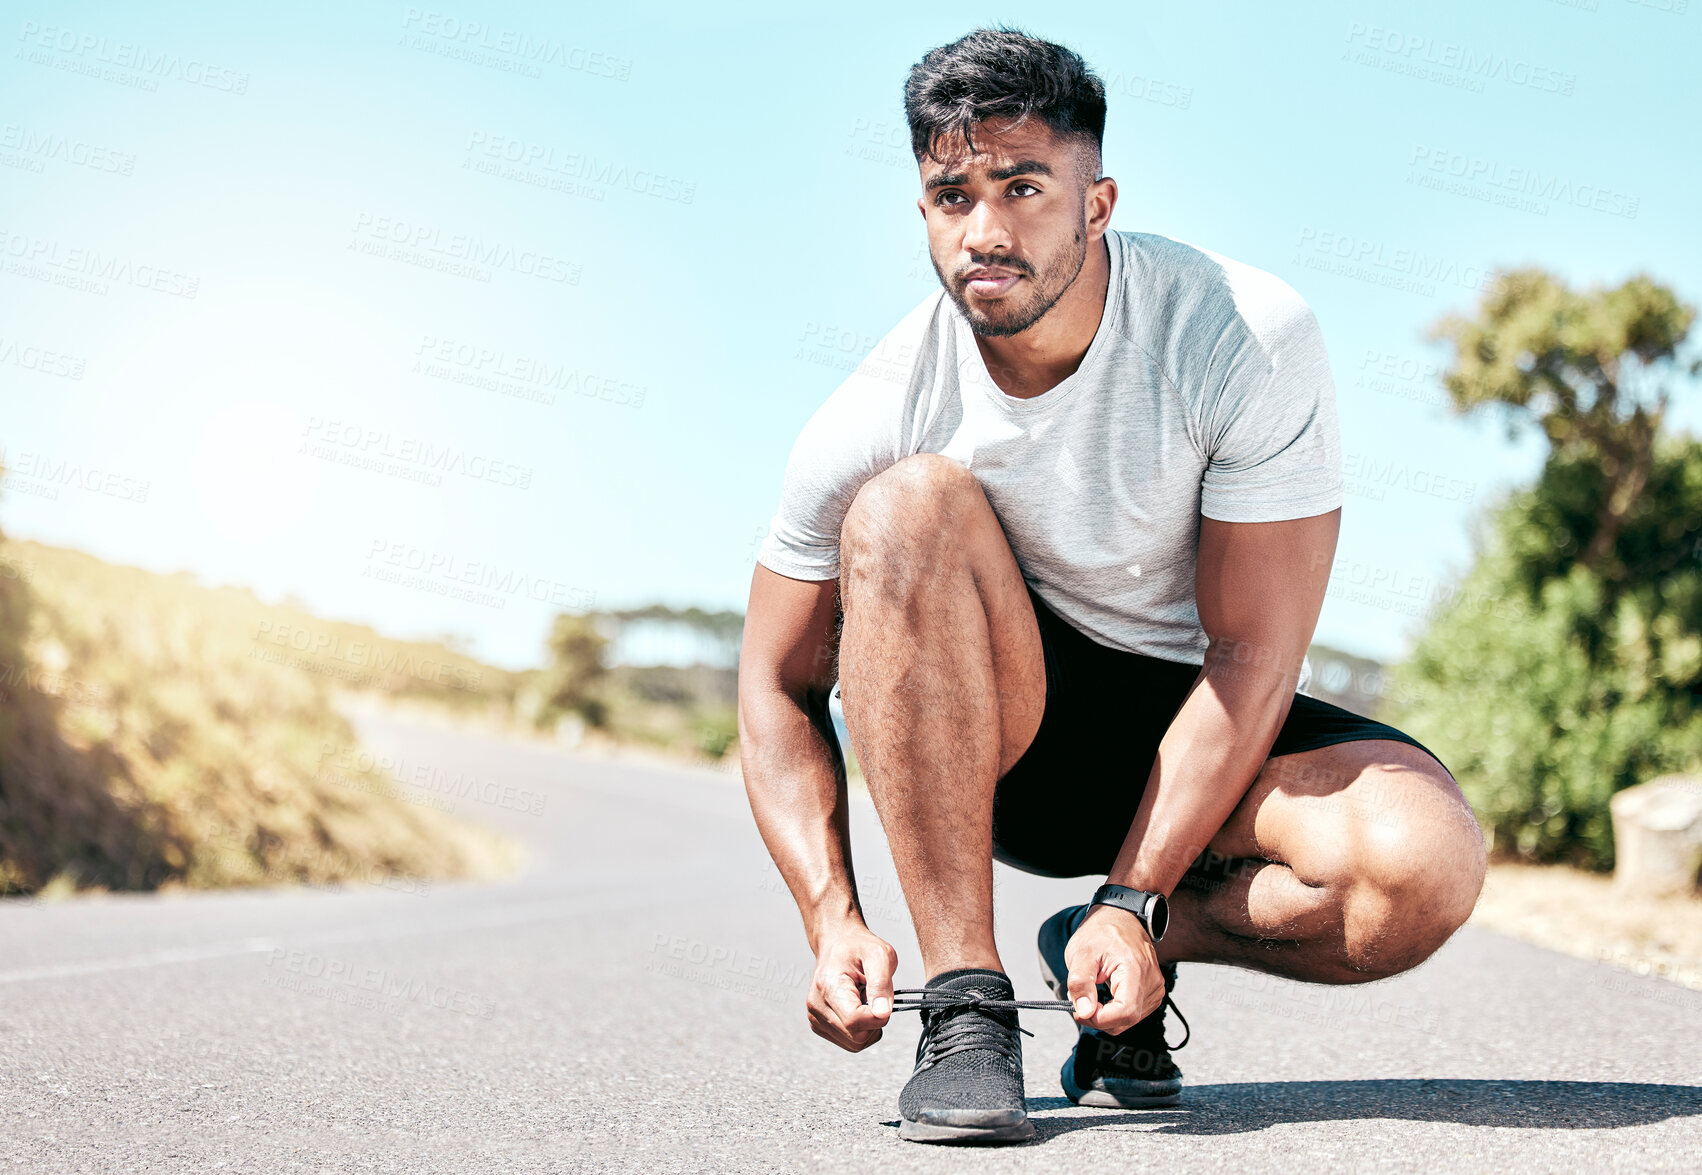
point(155, 732)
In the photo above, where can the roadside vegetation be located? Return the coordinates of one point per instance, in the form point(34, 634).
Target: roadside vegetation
point(159, 733)
point(1567, 665)
point(153, 733)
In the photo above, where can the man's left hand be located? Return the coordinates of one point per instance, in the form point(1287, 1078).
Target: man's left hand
point(1112, 947)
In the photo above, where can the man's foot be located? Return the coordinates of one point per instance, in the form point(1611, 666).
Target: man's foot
point(1131, 1070)
point(967, 1086)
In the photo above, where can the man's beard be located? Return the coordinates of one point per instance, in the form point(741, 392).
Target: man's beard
point(1005, 319)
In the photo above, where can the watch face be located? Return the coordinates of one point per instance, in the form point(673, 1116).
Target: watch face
point(1158, 916)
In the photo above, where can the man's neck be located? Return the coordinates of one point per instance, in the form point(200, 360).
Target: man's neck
point(1043, 356)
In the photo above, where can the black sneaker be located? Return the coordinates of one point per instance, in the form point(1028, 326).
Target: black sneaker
point(1131, 1070)
point(967, 1086)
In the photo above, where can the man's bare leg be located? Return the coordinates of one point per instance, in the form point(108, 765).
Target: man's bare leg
point(943, 682)
point(1344, 864)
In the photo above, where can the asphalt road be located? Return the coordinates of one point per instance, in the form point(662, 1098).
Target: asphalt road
point(634, 1002)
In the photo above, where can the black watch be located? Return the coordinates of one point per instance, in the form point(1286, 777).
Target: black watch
point(1153, 909)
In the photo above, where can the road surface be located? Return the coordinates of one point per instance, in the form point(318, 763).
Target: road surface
point(633, 1001)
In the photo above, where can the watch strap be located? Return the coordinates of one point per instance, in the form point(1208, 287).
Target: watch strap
point(1151, 908)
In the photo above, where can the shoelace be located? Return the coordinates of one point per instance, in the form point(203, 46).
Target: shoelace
point(1128, 1035)
point(1187, 1033)
point(957, 1033)
point(966, 1034)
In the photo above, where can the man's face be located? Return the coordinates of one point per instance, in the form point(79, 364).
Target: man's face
point(1007, 226)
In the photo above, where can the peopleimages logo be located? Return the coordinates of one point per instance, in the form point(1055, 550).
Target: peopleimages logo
point(346, 765)
point(1398, 267)
point(522, 376)
point(1154, 90)
point(1450, 62)
point(508, 582)
point(41, 359)
point(1393, 374)
point(344, 981)
point(92, 47)
point(88, 269)
point(1370, 475)
point(319, 645)
point(541, 163)
point(44, 475)
point(464, 38)
point(1434, 165)
point(457, 249)
point(383, 451)
point(39, 147)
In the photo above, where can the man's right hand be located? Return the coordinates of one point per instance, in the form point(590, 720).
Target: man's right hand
point(850, 997)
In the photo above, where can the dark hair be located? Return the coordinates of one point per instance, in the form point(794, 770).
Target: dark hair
point(1001, 74)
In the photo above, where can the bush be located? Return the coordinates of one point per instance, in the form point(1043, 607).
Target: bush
point(571, 684)
point(1546, 686)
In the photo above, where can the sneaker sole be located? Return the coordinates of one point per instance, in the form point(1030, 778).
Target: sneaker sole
point(1136, 1095)
point(1142, 1095)
point(928, 1132)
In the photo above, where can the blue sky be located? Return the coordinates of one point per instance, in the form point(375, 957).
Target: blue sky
point(444, 318)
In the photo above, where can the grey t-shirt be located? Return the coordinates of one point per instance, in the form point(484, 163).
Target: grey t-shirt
point(1206, 390)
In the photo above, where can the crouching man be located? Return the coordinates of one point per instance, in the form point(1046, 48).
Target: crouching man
point(1061, 542)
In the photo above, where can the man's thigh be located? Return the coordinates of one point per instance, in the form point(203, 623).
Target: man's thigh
point(1363, 806)
point(925, 525)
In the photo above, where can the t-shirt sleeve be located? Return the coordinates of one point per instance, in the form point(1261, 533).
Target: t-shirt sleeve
point(1273, 448)
point(849, 439)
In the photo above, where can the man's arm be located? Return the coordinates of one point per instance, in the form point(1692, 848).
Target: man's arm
point(1259, 588)
point(795, 779)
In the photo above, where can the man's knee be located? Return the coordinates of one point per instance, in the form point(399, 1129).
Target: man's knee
point(909, 498)
point(905, 519)
point(1414, 871)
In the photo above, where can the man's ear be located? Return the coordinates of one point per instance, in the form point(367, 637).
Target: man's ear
point(922, 207)
point(1101, 198)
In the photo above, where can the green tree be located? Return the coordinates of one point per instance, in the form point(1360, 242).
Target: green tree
point(1545, 688)
point(1589, 368)
point(1568, 662)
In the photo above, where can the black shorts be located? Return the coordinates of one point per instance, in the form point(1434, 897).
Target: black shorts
point(1106, 711)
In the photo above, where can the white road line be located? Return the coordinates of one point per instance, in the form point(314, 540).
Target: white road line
point(247, 946)
point(633, 894)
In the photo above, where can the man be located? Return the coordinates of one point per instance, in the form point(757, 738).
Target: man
point(1062, 540)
